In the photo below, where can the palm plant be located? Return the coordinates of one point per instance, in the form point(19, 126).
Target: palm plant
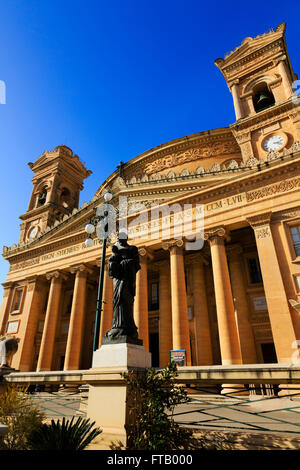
point(65, 435)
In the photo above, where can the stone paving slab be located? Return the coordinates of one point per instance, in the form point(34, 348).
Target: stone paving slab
point(280, 415)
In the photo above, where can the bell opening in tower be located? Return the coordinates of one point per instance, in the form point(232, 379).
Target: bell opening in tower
point(262, 98)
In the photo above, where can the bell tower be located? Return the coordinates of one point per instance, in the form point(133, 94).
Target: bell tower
point(260, 78)
point(57, 182)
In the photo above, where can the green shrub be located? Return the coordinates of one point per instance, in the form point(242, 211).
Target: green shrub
point(21, 415)
point(65, 435)
point(152, 397)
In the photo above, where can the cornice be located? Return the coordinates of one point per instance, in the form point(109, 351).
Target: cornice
point(44, 249)
point(248, 183)
point(260, 219)
point(178, 145)
point(266, 117)
point(264, 48)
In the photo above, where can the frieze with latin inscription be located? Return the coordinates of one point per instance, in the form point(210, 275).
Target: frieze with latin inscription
point(50, 256)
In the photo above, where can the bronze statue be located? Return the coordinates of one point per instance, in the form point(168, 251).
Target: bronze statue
point(123, 266)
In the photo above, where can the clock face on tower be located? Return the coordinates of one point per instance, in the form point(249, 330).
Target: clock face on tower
point(274, 142)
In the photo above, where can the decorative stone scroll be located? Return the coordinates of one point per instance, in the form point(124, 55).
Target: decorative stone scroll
point(251, 161)
point(179, 158)
point(80, 268)
point(281, 187)
point(296, 146)
point(263, 232)
point(273, 155)
point(232, 164)
point(215, 167)
point(172, 244)
point(215, 234)
point(56, 275)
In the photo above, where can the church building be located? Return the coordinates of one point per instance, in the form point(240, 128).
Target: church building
point(235, 299)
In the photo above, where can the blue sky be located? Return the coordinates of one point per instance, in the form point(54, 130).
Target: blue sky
point(112, 79)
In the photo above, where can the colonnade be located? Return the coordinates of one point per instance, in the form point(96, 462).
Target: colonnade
point(237, 345)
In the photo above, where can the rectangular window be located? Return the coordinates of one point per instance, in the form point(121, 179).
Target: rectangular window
point(153, 296)
point(295, 232)
point(254, 271)
point(17, 300)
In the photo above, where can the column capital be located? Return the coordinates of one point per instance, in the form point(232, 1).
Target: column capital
point(145, 253)
point(56, 275)
point(172, 244)
point(259, 220)
point(80, 269)
point(282, 58)
point(7, 285)
point(216, 234)
point(234, 82)
point(32, 278)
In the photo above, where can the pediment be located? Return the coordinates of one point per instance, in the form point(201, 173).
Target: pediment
point(249, 46)
point(185, 157)
point(66, 157)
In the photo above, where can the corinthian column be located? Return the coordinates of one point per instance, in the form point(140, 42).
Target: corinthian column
point(48, 337)
point(229, 341)
point(73, 350)
point(180, 323)
point(140, 312)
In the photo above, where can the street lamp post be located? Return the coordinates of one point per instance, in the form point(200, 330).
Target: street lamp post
point(90, 229)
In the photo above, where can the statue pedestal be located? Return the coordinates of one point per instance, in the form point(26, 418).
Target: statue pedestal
point(108, 401)
point(121, 355)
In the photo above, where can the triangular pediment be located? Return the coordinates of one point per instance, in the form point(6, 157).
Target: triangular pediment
point(250, 46)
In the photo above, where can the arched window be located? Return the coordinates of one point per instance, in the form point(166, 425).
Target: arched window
point(65, 198)
point(42, 197)
point(262, 97)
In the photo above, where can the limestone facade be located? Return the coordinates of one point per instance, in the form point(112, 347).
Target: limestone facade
point(227, 302)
